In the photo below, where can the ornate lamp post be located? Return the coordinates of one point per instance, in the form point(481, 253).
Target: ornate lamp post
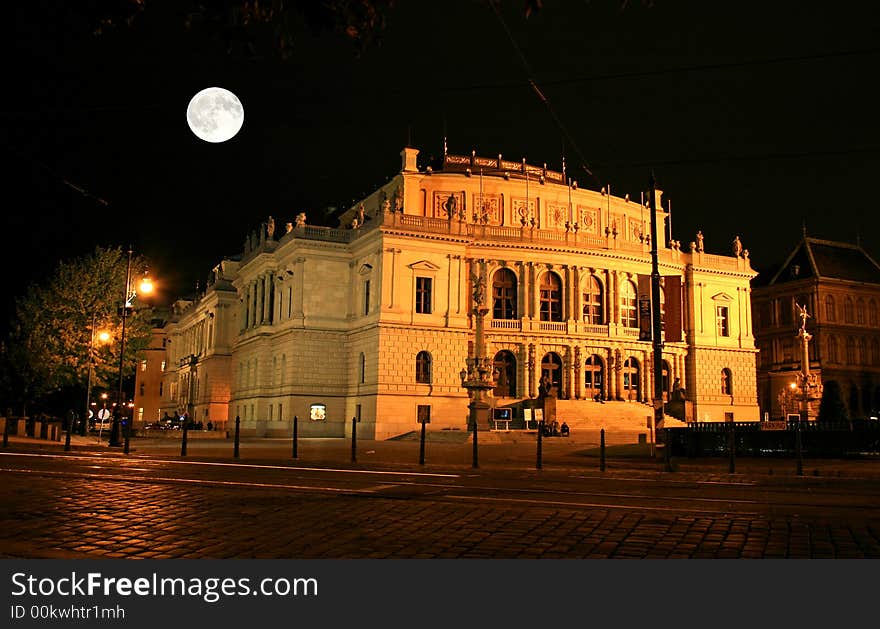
point(477, 377)
point(103, 337)
point(146, 287)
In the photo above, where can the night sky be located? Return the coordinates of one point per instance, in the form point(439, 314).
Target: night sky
point(754, 116)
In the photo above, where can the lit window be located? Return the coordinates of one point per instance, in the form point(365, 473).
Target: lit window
point(551, 297)
point(163, 365)
point(722, 320)
point(593, 311)
point(628, 305)
point(143, 365)
point(318, 412)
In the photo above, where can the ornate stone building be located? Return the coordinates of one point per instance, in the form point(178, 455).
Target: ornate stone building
point(373, 319)
point(839, 284)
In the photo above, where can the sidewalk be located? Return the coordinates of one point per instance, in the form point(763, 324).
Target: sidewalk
point(496, 451)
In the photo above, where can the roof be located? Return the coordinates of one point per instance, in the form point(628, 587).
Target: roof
point(823, 259)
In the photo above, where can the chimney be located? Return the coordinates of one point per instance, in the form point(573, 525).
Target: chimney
point(408, 159)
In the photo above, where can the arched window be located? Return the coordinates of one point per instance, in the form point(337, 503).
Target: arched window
point(872, 313)
point(628, 305)
point(594, 376)
point(851, 351)
point(551, 297)
point(829, 308)
point(726, 382)
point(505, 374)
point(504, 294)
point(631, 378)
point(551, 367)
point(832, 349)
point(594, 311)
point(848, 310)
point(423, 367)
point(860, 311)
point(875, 352)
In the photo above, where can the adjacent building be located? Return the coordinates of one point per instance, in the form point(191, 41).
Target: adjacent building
point(374, 319)
point(839, 284)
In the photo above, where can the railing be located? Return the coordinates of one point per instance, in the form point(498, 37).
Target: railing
point(506, 324)
point(630, 331)
point(818, 439)
point(553, 326)
point(596, 330)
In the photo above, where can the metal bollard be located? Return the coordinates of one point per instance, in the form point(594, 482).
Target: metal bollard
point(475, 463)
point(126, 440)
point(538, 462)
point(602, 450)
point(295, 421)
point(6, 432)
point(731, 450)
point(354, 438)
point(799, 451)
point(183, 439)
point(67, 439)
point(422, 445)
point(235, 448)
point(667, 449)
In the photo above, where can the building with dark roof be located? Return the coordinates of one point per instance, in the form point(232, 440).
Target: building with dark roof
point(839, 283)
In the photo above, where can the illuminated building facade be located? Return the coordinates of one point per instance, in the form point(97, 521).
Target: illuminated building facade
point(839, 283)
point(373, 319)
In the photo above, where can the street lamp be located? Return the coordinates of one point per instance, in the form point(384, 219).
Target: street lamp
point(146, 287)
point(103, 336)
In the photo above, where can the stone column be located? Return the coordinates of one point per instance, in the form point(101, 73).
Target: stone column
point(578, 375)
point(535, 296)
point(532, 366)
point(618, 376)
point(567, 368)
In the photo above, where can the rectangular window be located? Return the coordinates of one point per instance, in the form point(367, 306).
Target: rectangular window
point(423, 414)
point(357, 412)
point(318, 412)
point(722, 321)
point(366, 297)
point(163, 365)
point(143, 365)
point(423, 295)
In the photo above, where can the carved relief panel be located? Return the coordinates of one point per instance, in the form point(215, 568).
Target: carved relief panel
point(448, 204)
point(525, 211)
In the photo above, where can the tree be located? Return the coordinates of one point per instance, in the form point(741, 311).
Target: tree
point(831, 407)
point(47, 349)
point(251, 27)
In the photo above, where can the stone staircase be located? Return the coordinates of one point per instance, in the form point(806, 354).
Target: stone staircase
point(616, 416)
point(629, 417)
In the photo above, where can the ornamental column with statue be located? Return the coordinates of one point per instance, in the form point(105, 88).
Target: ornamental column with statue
point(477, 377)
point(809, 384)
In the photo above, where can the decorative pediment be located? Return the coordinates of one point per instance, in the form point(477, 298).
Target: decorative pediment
point(424, 265)
point(365, 269)
point(722, 297)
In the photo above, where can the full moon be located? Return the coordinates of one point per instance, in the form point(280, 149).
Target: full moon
point(215, 114)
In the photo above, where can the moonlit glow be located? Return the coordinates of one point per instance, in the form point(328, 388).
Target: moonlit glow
point(215, 114)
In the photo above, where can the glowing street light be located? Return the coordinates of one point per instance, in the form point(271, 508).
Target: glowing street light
point(103, 337)
point(145, 287)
